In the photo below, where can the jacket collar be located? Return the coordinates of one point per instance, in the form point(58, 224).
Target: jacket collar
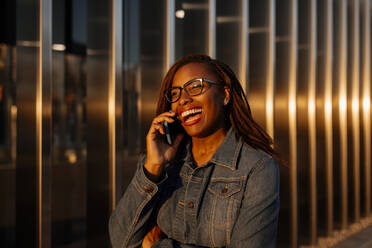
point(226, 154)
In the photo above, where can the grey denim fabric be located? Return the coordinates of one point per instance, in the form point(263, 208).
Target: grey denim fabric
point(231, 201)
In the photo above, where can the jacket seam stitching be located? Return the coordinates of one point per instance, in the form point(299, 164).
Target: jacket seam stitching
point(134, 223)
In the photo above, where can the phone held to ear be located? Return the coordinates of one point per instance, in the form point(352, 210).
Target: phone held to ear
point(167, 133)
point(168, 129)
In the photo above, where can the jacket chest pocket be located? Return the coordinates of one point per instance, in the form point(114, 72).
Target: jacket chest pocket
point(225, 201)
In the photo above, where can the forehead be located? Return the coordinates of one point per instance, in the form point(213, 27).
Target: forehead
point(192, 71)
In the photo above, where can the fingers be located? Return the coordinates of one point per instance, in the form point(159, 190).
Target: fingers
point(157, 123)
point(161, 119)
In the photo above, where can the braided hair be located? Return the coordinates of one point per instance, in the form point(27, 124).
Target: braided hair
point(238, 111)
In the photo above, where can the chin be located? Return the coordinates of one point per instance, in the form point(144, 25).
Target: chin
point(199, 132)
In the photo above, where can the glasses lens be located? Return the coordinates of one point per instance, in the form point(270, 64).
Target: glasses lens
point(173, 94)
point(194, 87)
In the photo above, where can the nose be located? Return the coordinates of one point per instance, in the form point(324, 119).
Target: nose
point(184, 98)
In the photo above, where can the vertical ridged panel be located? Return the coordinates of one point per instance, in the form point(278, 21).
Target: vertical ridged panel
point(115, 99)
point(312, 121)
point(212, 28)
point(44, 124)
point(292, 108)
point(270, 69)
point(244, 44)
point(27, 161)
point(99, 73)
point(285, 118)
point(328, 114)
point(340, 157)
point(170, 35)
point(353, 109)
point(306, 122)
point(366, 102)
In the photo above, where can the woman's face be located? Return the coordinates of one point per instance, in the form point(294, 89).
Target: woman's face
point(204, 114)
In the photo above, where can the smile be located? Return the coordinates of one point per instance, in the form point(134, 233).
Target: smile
point(191, 116)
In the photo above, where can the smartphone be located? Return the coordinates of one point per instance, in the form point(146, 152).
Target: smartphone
point(171, 129)
point(167, 132)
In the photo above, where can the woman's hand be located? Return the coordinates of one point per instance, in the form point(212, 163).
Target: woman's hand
point(159, 152)
point(152, 236)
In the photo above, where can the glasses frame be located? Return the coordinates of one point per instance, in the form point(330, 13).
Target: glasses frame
point(183, 87)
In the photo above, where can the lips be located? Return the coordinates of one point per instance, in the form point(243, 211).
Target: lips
point(191, 116)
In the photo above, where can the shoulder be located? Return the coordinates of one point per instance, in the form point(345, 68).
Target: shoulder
point(261, 173)
point(253, 160)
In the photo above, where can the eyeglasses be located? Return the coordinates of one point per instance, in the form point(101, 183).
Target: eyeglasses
point(193, 87)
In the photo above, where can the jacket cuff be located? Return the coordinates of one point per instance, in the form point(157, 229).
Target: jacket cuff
point(144, 184)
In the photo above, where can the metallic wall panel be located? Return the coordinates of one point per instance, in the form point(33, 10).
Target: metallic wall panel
point(353, 110)
point(260, 87)
point(212, 28)
point(306, 98)
point(170, 39)
point(285, 118)
point(270, 69)
point(44, 124)
point(99, 73)
point(324, 118)
point(115, 100)
point(244, 44)
point(229, 33)
point(196, 28)
point(365, 99)
point(340, 155)
point(33, 173)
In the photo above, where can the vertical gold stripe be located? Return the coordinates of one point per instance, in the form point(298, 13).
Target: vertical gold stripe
point(292, 120)
point(39, 126)
point(328, 114)
point(355, 108)
point(212, 29)
point(114, 78)
point(170, 35)
point(270, 69)
point(366, 104)
point(244, 45)
point(343, 112)
point(312, 122)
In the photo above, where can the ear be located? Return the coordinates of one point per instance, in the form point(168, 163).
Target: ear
point(227, 95)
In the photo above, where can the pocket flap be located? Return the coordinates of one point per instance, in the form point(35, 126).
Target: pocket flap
point(225, 187)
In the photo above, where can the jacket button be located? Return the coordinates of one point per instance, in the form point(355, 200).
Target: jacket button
point(224, 190)
point(147, 188)
point(190, 205)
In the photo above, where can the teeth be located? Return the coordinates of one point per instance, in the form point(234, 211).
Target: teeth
point(192, 118)
point(191, 111)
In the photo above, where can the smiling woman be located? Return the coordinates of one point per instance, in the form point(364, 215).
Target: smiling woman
point(217, 185)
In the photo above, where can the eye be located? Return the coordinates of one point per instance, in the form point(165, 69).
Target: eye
point(174, 92)
point(194, 87)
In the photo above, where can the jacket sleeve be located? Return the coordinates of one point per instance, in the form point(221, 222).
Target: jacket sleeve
point(171, 243)
point(133, 216)
point(257, 222)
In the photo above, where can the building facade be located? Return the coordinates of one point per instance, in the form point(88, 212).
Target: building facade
point(79, 80)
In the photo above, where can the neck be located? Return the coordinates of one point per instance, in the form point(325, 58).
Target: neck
point(204, 148)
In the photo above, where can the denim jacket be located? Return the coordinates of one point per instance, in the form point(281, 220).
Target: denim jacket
point(231, 201)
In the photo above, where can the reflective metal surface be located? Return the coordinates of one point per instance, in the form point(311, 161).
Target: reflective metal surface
point(79, 81)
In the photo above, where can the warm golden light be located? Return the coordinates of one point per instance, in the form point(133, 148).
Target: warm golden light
point(366, 104)
point(328, 107)
point(292, 106)
point(311, 107)
point(59, 47)
point(343, 104)
point(355, 105)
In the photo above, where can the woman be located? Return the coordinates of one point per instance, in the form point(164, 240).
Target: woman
point(217, 185)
